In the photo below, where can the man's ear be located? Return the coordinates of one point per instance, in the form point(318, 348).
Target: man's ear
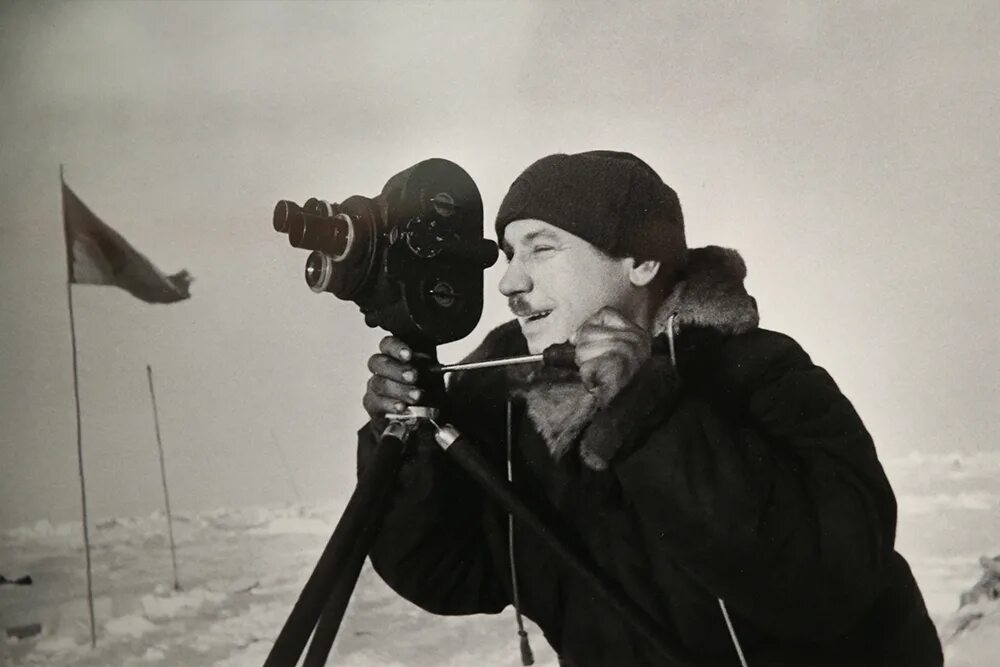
point(642, 274)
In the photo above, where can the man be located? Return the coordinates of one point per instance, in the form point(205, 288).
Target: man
point(710, 470)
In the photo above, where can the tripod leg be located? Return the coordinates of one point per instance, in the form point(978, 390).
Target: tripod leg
point(336, 605)
point(333, 615)
point(335, 569)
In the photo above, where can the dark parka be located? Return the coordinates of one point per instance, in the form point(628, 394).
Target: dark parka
point(738, 473)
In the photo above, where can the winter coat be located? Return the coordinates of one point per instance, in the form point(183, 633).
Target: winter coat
point(731, 469)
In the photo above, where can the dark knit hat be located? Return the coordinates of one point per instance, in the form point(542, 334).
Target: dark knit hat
point(612, 200)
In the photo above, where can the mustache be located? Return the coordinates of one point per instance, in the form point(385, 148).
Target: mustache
point(519, 306)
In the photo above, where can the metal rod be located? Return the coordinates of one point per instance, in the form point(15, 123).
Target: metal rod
point(491, 363)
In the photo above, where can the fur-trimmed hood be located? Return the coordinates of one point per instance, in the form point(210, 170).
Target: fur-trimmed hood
point(710, 294)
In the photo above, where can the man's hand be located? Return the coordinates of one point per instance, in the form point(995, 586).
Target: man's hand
point(609, 350)
point(391, 388)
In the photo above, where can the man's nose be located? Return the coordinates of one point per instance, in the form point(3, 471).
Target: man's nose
point(515, 279)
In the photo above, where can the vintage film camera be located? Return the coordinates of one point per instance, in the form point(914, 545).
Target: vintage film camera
point(412, 257)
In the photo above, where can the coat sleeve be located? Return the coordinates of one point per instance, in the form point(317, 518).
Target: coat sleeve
point(434, 546)
point(781, 508)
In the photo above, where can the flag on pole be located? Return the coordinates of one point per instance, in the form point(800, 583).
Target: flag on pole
point(98, 255)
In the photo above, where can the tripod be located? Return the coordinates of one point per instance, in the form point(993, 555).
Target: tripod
point(323, 600)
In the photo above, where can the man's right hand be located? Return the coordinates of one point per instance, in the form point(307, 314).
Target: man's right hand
point(392, 386)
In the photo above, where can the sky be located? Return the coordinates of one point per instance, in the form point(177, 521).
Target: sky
point(847, 150)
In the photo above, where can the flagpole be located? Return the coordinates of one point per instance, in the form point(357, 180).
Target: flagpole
point(163, 476)
point(79, 436)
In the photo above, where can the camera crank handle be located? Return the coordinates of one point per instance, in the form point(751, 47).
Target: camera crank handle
point(559, 355)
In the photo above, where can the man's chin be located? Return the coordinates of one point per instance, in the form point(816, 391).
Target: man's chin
point(532, 338)
point(537, 340)
point(534, 347)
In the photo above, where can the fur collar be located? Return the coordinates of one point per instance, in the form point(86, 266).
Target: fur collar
point(710, 294)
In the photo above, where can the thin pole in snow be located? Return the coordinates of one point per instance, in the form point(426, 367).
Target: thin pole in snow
point(163, 476)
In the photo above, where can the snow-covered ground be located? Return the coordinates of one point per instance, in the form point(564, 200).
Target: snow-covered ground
point(240, 573)
point(241, 570)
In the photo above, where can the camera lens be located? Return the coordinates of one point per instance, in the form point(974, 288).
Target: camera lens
point(341, 236)
point(319, 271)
point(297, 230)
point(284, 212)
point(333, 236)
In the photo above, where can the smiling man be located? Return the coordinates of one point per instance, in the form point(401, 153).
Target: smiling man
point(714, 473)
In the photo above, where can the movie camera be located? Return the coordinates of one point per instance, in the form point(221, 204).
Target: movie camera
point(412, 257)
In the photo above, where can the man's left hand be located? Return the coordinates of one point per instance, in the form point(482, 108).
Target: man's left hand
point(609, 351)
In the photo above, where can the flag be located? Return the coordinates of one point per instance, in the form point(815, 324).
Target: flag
point(98, 255)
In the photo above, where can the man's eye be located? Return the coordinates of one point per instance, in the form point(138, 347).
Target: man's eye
point(542, 249)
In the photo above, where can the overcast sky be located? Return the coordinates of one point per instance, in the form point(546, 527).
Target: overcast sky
point(848, 150)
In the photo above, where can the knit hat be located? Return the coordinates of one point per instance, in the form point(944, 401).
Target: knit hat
point(612, 200)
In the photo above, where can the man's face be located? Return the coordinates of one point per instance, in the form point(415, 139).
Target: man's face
point(555, 281)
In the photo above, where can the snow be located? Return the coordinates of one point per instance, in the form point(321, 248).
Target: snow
point(980, 463)
point(153, 654)
point(158, 605)
point(128, 626)
point(241, 571)
point(43, 528)
point(56, 644)
point(290, 525)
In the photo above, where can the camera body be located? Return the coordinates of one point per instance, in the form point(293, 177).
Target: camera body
point(412, 257)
